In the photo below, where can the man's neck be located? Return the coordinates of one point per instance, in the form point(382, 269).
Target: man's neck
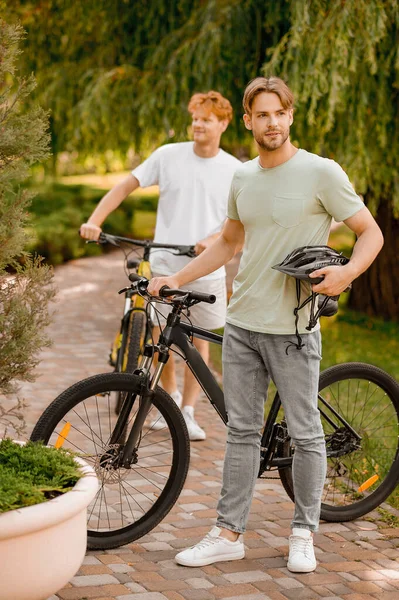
point(273, 158)
point(206, 151)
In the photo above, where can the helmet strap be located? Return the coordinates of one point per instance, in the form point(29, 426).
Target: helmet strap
point(320, 311)
point(313, 315)
point(299, 345)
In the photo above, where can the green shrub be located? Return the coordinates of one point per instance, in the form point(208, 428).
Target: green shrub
point(33, 473)
point(24, 297)
point(57, 212)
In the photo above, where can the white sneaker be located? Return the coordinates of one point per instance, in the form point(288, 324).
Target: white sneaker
point(159, 422)
point(301, 557)
point(195, 433)
point(211, 549)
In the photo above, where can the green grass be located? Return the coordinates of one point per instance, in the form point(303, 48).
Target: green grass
point(388, 518)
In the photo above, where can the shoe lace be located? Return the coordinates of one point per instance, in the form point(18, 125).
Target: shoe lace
point(301, 545)
point(207, 541)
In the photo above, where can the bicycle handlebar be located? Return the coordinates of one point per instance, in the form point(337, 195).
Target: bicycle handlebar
point(182, 250)
point(166, 291)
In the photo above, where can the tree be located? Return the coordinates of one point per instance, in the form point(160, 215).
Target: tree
point(341, 59)
point(24, 281)
point(119, 74)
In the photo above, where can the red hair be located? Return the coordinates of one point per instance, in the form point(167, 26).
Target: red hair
point(212, 102)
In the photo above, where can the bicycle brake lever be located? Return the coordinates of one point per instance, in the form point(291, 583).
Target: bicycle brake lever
point(123, 290)
point(186, 251)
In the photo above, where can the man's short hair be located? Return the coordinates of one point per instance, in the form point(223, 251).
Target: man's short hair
point(212, 102)
point(271, 85)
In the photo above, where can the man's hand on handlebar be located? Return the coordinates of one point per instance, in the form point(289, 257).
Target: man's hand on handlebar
point(89, 231)
point(157, 282)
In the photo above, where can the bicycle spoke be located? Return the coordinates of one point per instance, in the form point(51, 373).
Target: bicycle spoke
point(125, 494)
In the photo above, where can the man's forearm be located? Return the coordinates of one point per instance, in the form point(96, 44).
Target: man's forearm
point(214, 257)
point(367, 246)
point(108, 203)
point(112, 200)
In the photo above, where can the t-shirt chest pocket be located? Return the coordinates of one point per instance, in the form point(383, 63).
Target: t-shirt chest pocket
point(288, 209)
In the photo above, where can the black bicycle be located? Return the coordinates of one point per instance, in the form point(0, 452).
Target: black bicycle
point(142, 471)
point(136, 327)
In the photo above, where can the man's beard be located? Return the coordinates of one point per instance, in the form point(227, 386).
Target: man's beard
point(273, 143)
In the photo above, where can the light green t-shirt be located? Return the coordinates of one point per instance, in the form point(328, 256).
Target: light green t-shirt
point(282, 208)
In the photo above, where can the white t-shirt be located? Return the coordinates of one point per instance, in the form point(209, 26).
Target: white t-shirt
point(192, 200)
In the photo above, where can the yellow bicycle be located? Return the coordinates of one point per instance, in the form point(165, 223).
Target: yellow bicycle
point(137, 321)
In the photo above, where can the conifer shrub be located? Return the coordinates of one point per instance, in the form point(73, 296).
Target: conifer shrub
point(33, 473)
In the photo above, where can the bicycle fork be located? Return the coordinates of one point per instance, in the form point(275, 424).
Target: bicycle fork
point(146, 395)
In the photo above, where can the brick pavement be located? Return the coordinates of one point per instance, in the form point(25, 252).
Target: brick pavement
point(357, 561)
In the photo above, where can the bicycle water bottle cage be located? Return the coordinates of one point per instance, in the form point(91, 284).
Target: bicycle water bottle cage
point(299, 264)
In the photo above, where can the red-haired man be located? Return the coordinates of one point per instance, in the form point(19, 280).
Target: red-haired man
point(194, 180)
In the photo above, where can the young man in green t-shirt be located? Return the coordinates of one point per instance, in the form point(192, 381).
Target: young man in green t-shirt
point(283, 199)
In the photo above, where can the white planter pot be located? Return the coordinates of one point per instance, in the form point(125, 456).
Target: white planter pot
point(42, 546)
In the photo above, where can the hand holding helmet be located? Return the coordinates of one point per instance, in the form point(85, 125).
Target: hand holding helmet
point(336, 279)
point(328, 273)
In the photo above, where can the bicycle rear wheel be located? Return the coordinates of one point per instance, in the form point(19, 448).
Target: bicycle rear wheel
point(361, 473)
point(130, 502)
point(136, 340)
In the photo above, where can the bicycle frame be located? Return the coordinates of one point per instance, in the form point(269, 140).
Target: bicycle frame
point(180, 335)
point(133, 300)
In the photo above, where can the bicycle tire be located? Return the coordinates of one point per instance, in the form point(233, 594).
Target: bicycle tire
point(377, 420)
point(156, 484)
point(133, 337)
point(137, 335)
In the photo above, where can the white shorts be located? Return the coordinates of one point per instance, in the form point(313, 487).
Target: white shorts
point(208, 316)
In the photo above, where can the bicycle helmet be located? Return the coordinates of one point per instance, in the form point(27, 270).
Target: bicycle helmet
point(302, 261)
point(299, 264)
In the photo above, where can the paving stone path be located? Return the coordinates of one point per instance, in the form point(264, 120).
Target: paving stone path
point(357, 561)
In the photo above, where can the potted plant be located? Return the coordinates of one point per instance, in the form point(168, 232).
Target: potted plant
point(42, 529)
point(44, 494)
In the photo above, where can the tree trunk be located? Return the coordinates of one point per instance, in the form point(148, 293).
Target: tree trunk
point(376, 292)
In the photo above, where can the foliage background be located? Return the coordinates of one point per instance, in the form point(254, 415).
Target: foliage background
point(117, 77)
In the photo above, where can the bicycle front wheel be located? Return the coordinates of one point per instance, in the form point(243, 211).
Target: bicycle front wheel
point(359, 406)
point(130, 501)
point(132, 344)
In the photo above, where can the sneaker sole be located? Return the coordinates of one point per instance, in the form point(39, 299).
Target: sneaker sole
point(299, 570)
point(197, 439)
point(210, 560)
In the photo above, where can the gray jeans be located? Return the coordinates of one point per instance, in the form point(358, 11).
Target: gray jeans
point(250, 360)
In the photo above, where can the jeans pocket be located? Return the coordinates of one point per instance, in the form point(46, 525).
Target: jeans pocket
point(287, 209)
point(314, 345)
